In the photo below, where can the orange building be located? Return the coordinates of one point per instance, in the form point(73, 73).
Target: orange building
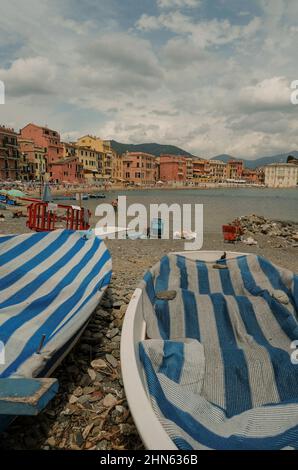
point(235, 169)
point(172, 168)
point(139, 168)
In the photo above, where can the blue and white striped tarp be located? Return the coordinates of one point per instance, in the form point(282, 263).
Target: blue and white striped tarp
point(50, 283)
point(219, 358)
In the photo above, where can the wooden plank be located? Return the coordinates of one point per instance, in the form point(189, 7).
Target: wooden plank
point(21, 396)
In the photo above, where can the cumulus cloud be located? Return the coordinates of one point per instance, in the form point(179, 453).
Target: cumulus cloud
point(271, 93)
point(33, 75)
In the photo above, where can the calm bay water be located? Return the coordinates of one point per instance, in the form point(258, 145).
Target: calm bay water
point(220, 205)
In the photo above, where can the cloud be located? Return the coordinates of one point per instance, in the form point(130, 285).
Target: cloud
point(33, 75)
point(204, 33)
point(269, 94)
point(178, 3)
point(206, 79)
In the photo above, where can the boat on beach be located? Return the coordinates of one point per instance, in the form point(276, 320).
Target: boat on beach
point(207, 353)
point(97, 196)
point(50, 284)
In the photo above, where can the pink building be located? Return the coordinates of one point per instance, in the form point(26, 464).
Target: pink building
point(172, 168)
point(67, 170)
point(139, 168)
point(46, 138)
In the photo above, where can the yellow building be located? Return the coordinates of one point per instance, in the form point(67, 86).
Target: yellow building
point(90, 159)
point(105, 151)
point(117, 168)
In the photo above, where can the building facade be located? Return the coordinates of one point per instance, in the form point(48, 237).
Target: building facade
point(139, 168)
point(201, 170)
point(90, 160)
point(235, 169)
point(217, 171)
point(9, 154)
point(68, 170)
point(281, 175)
point(33, 159)
point(47, 138)
point(172, 168)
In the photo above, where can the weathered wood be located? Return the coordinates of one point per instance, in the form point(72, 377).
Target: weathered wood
point(21, 396)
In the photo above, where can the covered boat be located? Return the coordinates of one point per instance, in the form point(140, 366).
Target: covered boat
point(50, 284)
point(208, 353)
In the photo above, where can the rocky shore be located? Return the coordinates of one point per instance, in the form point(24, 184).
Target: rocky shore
point(90, 411)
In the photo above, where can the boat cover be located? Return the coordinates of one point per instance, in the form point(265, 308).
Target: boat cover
point(50, 283)
point(220, 360)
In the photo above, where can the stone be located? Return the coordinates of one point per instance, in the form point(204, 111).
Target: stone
point(109, 401)
point(92, 374)
point(78, 392)
point(114, 332)
point(78, 438)
point(112, 360)
point(98, 364)
point(73, 399)
point(102, 445)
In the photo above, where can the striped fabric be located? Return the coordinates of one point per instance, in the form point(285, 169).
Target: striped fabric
point(218, 358)
point(50, 283)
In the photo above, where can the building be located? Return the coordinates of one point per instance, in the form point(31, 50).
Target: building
point(67, 170)
point(281, 175)
point(117, 168)
point(46, 138)
point(235, 169)
point(33, 158)
point(172, 168)
point(139, 168)
point(189, 168)
point(90, 159)
point(217, 171)
point(105, 151)
point(9, 154)
point(201, 170)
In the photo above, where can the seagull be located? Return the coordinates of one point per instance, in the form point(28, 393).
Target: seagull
point(224, 256)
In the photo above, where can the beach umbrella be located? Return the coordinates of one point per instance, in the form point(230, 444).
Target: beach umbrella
point(3, 191)
point(15, 193)
point(47, 195)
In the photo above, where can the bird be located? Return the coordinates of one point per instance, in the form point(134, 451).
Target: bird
point(224, 256)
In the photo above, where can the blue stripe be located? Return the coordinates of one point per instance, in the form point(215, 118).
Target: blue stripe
point(4, 239)
point(173, 360)
point(31, 287)
point(181, 443)
point(204, 287)
point(225, 278)
point(286, 374)
point(22, 247)
point(237, 388)
point(55, 319)
point(191, 318)
point(39, 305)
point(181, 264)
point(105, 281)
point(284, 318)
point(275, 278)
point(202, 434)
point(148, 278)
point(162, 306)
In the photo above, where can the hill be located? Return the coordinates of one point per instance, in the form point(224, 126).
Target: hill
point(153, 148)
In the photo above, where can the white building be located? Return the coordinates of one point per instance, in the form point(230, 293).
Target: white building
point(281, 175)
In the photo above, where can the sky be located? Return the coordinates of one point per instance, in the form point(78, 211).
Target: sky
point(210, 76)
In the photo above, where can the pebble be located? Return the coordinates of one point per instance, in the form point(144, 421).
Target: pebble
point(98, 364)
point(112, 360)
point(109, 401)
